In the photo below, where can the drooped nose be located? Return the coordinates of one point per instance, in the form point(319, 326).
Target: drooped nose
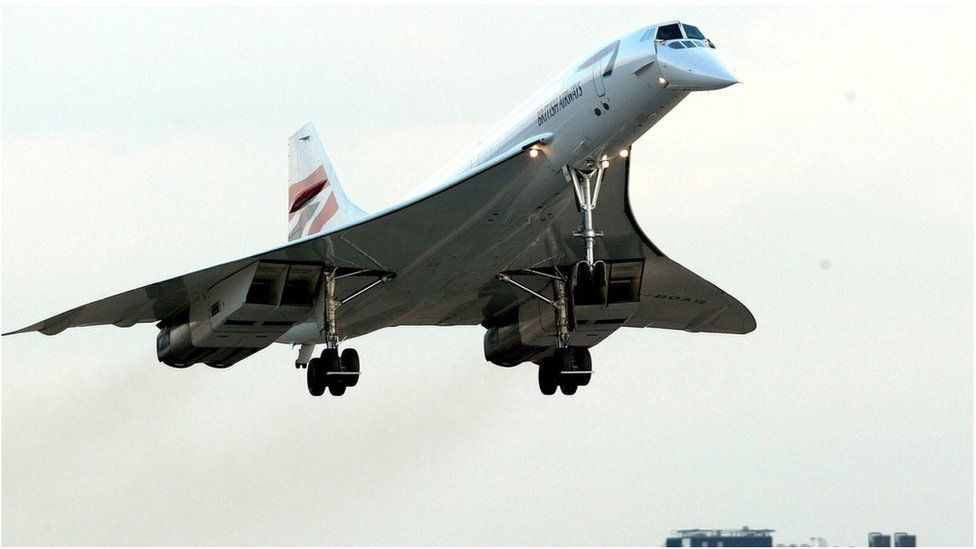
point(694, 69)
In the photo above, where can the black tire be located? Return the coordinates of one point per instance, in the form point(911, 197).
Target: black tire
point(350, 363)
point(329, 362)
point(548, 375)
point(331, 355)
point(567, 360)
point(563, 358)
point(315, 377)
point(583, 362)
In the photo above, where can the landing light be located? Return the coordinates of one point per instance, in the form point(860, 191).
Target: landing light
point(533, 153)
point(624, 153)
point(605, 164)
point(662, 80)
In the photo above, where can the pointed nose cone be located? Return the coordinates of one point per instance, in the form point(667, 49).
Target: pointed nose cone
point(695, 69)
point(711, 76)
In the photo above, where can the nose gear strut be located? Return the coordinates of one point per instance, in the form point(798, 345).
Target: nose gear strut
point(589, 277)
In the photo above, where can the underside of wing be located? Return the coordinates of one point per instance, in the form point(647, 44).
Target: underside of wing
point(646, 288)
point(437, 256)
point(408, 240)
point(672, 296)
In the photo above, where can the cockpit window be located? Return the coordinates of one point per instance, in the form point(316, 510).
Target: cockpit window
point(693, 32)
point(682, 44)
point(669, 32)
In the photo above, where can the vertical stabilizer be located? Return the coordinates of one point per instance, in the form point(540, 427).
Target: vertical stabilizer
point(315, 198)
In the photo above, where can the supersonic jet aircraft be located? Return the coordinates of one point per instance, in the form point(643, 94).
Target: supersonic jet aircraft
point(529, 234)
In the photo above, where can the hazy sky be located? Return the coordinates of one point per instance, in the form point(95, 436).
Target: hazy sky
point(832, 193)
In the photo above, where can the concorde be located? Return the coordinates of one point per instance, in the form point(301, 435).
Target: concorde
point(529, 233)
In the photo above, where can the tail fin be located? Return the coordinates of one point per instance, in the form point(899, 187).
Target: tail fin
point(315, 198)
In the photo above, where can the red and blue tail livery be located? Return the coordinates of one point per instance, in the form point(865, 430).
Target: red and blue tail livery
point(315, 200)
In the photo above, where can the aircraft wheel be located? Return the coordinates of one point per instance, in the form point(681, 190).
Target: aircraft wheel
point(565, 360)
point(570, 361)
point(548, 375)
point(329, 362)
point(315, 376)
point(350, 363)
point(583, 362)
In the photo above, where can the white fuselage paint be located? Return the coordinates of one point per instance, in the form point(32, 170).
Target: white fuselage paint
point(634, 92)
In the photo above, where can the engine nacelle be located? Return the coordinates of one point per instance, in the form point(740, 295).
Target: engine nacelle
point(174, 347)
point(504, 347)
point(522, 335)
point(528, 333)
point(240, 315)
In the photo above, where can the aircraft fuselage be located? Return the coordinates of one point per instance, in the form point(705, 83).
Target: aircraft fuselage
point(601, 104)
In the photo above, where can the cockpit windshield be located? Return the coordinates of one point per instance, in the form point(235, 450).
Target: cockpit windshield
point(693, 32)
point(689, 34)
point(669, 32)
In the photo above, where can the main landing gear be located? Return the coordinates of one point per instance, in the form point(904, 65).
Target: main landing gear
point(333, 370)
point(569, 368)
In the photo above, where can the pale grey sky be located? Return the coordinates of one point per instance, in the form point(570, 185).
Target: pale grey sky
point(832, 193)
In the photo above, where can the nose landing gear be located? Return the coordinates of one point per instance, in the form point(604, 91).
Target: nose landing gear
point(589, 277)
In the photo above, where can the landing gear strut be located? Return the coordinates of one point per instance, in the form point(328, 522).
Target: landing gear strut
point(569, 367)
point(332, 370)
point(589, 277)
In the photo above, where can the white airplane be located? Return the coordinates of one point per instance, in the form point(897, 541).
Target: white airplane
point(529, 233)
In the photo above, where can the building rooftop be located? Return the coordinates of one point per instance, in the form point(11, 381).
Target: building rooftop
point(745, 531)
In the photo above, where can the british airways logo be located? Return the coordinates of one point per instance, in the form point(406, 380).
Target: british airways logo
point(559, 103)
